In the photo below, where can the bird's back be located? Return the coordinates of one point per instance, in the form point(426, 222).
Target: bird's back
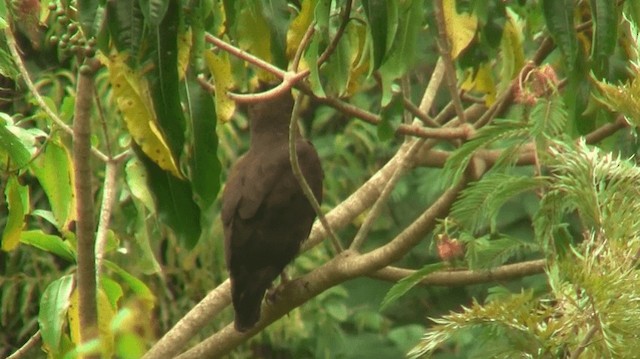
point(266, 217)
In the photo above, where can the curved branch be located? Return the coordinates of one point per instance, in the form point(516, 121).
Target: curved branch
point(23, 350)
point(344, 107)
point(347, 265)
point(334, 42)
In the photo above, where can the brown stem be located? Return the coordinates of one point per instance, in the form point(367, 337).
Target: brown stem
point(445, 52)
point(295, 166)
point(346, 108)
point(457, 278)
point(108, 197)
point(24, 349)
point(85, 222)
point(348, 264)
point(336, 39)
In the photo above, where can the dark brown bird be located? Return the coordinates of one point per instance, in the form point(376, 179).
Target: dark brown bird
point(265, 214)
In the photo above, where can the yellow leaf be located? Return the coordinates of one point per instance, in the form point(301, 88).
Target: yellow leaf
point(17, 210)
point(511, 50)
point(185, 40)
point(299, 26)
point(461, 28)
point(625, 98)
point(105, 315)
point(74, 317)
point(54, 170)
point(481, 81)
point(359, 57)
point(131, 92)
point(254, 35)
point(220, 68)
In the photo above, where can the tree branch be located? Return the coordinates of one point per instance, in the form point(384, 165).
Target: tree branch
point(445, 53)
point(344, 107)
point(23, 350)
point(347, 265)
point(85, 228)
point(108, 196)
point(457, 278)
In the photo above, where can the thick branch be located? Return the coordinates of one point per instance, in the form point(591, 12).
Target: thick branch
point(85, 227)
point(341, 216)
point(346, 265)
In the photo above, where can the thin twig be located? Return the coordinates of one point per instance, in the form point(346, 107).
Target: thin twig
point(336, 39)
point(108, 196)
point(295, 165)
point(24, 349)
point(403, 129)
point(584, 343)
point(445, 52)
point(378, 206)
point(406, 160)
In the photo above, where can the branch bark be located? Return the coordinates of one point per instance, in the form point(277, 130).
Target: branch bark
point(347, 265)
point(85, 226)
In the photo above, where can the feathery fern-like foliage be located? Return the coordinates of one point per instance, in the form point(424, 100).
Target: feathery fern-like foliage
point(594, 287)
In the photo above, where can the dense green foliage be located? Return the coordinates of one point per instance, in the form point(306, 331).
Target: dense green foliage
point(503, 133)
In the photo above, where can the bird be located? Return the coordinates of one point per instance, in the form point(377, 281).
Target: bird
point(265, 213)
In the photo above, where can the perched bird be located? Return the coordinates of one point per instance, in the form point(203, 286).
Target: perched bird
point(265, 214)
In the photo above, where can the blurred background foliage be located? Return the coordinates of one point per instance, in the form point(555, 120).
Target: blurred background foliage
point(388, 47)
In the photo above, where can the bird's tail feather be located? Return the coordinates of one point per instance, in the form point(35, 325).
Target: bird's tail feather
point(248, 293)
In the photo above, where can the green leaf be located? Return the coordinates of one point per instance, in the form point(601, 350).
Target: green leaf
point(49, 243)
point(605, 16)
point(391, 117)
point(53, 309)
point(277, 16)
point(8, 67)
point(558, 15)
point(12, 145)
point(402, 53)
point(204, 166)
point(484, 253)
point(252, 32)
point(311, 57)
point(174, 202)
point(405, 284)
point(377, 17)
point(548, 117)
point(154, 10)
point(135, 284)
point(112, 289)
point(164, 81)
point(87, 10)
point(481, 201)
point(125, 22)
point(500, 130)
point(55, 173)
point(136, 178)
point(18, 204)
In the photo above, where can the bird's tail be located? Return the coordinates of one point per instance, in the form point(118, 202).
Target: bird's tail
point(248, 293)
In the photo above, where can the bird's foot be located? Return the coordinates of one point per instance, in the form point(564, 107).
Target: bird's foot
point(273, 292)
